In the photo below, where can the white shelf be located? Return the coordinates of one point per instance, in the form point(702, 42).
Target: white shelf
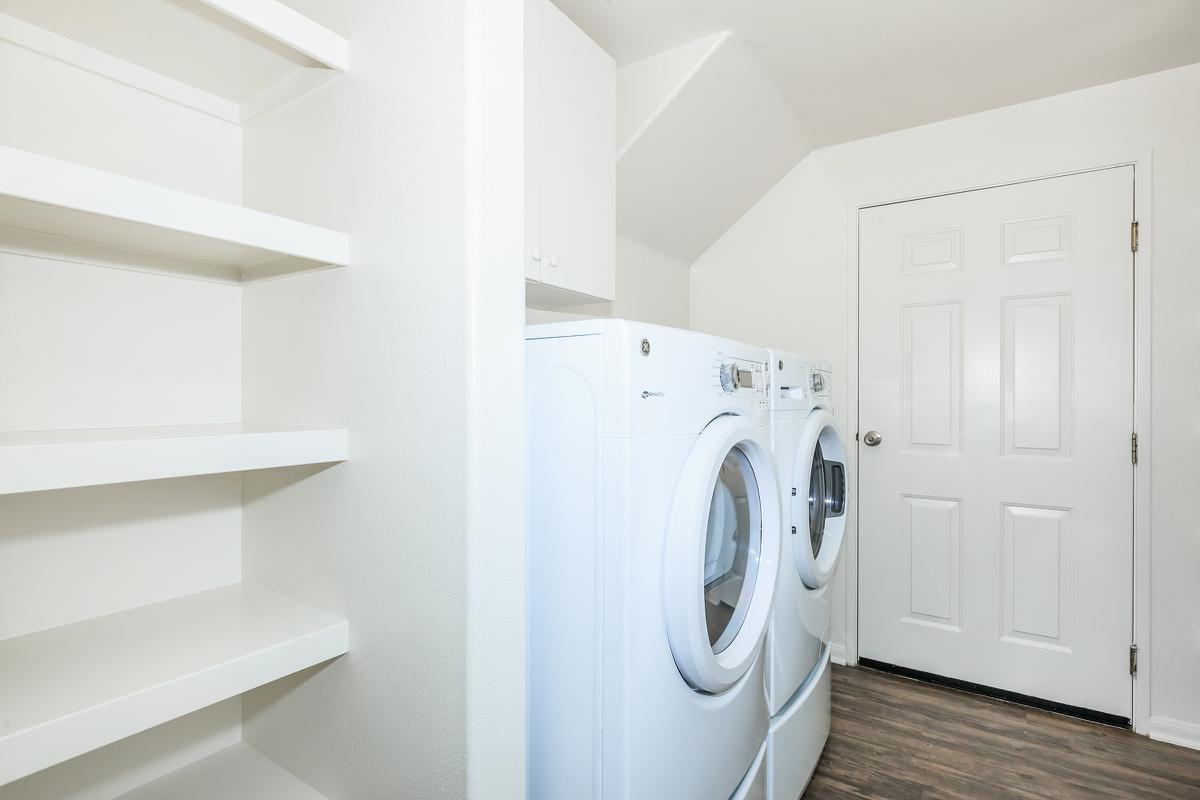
point(60, 200)
point(35, 461)
point(69, 690)
point(236, 773)
point(232, 59)
point(290, 28)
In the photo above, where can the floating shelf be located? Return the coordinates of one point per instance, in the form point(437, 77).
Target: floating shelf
point(290, 28)
point(238, 772)
point(269, 53)
point(40, 460)
point(60, 200)
point(69, 690)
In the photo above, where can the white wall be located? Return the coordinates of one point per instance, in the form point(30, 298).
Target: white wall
point(651, 287)
point(391, 346)
point(799, 235)
point(59, 110)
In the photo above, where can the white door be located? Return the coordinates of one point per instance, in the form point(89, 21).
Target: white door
point(996, 358)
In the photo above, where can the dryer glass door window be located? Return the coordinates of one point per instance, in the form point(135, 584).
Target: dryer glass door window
point(826, 496)
point(818, 506)
point(732, 546)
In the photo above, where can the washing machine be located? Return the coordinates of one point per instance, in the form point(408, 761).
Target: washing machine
point(653, 543)
point(810, 459)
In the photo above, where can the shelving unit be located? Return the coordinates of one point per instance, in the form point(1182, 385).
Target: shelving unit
point(72, 689)
point(164, 90)
point(270, 53)
point(236, 773)
point(41, 460)
point(59, 200)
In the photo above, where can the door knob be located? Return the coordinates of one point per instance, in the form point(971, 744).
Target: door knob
point(872, 439)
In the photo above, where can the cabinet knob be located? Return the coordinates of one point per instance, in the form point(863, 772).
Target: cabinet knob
point(554, 261)
point(536, 255)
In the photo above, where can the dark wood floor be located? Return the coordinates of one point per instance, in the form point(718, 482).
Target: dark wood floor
point(896, 739)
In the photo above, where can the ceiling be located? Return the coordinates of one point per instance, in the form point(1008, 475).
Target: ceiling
point(855, 68)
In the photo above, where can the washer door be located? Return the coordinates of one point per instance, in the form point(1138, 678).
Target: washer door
point(818, 513)
point(722, 554)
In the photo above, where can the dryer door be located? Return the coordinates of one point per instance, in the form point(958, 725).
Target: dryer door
point(722, 554)
point(818, 502)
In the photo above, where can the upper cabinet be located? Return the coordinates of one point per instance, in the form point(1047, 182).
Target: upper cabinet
point(570, 161)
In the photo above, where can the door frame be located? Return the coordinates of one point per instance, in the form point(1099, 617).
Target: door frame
point(1141, 161)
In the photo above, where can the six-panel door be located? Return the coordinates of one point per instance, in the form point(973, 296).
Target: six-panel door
point(996, 358)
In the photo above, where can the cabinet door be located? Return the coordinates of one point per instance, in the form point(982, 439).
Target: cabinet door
point(534, 138)
point(571, 130)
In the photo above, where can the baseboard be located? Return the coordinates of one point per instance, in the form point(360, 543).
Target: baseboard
point(837, 653)
point(1174, 731)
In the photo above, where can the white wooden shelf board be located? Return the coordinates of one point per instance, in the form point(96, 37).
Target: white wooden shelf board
point(32, 461)
point(270, 53)
point(69, 690)
point(58, 199)
point(290, 28)
point(238, 772)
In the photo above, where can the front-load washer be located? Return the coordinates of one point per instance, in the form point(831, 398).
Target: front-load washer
point(653, 543)
point(810, 459)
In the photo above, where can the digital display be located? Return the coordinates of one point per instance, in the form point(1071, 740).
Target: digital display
point(745, 378)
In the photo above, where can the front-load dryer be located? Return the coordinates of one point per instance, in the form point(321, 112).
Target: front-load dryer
point(810, 459)
point(653, 545)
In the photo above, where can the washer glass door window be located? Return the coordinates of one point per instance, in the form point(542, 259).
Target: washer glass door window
point(722, 554)
point(732, 546)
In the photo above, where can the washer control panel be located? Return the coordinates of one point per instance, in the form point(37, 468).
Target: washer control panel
point(734, 377)
point(737, 376)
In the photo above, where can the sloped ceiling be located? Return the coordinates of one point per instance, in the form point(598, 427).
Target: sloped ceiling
point(848, 69)
point(707, 150)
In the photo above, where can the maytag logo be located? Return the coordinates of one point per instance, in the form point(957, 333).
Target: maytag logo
point(646, 394)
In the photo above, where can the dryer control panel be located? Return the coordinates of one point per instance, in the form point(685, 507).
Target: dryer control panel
point(822, 382)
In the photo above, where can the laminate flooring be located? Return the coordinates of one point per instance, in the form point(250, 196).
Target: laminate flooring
point(899, 739)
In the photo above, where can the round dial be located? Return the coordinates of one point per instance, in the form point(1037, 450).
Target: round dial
point(729, 377)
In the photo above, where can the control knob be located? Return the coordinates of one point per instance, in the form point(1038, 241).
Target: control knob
point(730, 380)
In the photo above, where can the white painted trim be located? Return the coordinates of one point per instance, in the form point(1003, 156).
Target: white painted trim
point(1141, 161)
point(837, 653)
point(288, 27)
point(1143, 169)
point(494, 256)
point(851, 434)
point(69, 51)
point(1174, 731)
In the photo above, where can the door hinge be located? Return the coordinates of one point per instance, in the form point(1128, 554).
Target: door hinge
point(1133, 448)
point(1133, 236)
point(1133, 651)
